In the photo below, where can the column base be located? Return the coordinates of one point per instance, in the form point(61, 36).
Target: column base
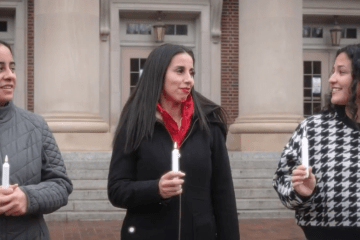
point(79, 131)
point(76, 122)
point(80, 142)
point(262, 132)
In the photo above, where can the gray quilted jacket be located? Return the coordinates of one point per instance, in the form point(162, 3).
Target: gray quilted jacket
point(37, 166)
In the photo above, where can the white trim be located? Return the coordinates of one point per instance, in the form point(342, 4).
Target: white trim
point(332, 12)
point(334, 7)
point(163, 2)
point(141, 44)
point(323, 47)
point(163, 7)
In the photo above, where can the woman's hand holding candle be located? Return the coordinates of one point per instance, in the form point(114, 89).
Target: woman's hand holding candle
point(13, 202)
point(170, 184)
point(303, 185)
point(6, 191)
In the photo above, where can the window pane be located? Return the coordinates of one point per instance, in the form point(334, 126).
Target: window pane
point(306, 32)
point(316, 86)
point(134, 65)
point(170, 30)
point(3, 26)
point(317, 67)
point(145, 29)
point(342, 33)
point(307, 109)
point(134, 78)
point(307, 67)
point(181, 29)
point(307, 94)
point(142, 62)
point(317, 96)
point(317, 107)
point(307, 81)
point(351, 33)
point(132, 28)
point(317, 32)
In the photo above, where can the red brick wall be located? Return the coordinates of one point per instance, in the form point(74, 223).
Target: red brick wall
point(230, 58)
point(30, 56)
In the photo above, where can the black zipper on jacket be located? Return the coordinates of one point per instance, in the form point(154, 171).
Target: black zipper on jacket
point(187, 133)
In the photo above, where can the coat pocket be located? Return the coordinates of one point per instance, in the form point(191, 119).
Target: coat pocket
point(204, 226)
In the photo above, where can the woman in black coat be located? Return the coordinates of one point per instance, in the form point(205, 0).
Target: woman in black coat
point(198, 202)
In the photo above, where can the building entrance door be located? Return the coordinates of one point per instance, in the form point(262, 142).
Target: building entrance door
point(316, 73)
point(132, 63)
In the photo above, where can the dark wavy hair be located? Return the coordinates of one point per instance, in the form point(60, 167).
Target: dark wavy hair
point(139, 111)
point(353, 53)
point(6, 45)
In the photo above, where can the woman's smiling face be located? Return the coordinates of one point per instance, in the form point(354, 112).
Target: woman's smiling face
point(7, 75)
point(341, 79)
point(179, 78)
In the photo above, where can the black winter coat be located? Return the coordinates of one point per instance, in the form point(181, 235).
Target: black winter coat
point(208, 208)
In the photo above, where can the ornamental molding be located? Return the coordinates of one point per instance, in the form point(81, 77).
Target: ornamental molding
point(216, 11)
point(104, 20)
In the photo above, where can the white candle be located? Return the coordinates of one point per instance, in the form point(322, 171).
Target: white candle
point(175, 159)
point(5, 173)
point(305, 154)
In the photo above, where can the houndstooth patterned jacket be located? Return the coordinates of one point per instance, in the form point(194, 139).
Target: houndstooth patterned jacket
point(334, 156)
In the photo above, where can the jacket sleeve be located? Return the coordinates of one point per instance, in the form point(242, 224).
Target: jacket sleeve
point(222, 189)
point(55, 186)
point(124, 190)
point(290, 159)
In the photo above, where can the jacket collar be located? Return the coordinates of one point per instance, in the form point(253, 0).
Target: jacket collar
point(6, 112)
point(341, 115)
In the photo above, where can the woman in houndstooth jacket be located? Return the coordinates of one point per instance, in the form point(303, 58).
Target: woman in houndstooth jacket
point(327, 202)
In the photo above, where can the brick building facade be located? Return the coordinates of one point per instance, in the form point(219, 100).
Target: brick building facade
point(230, 58)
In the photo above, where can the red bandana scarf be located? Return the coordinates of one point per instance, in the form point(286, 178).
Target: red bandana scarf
point(178, 134)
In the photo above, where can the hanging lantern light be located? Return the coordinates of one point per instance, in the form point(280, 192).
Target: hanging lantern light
point(335, 33)
point(159, 28)
point(159, 31)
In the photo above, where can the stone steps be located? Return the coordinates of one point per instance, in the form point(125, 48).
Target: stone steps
point(284, 213)
point(252, 176)
point(89, 206)
point(259, 193)
point(95, 194)
point(85, 216)
point(259, 204)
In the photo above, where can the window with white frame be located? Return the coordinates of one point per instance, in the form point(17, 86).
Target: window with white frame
point(312, 87)
point(7, 26)
point(134, 32)
point(319, 35)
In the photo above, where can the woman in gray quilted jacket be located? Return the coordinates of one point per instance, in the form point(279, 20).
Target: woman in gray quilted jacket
point(38, 180)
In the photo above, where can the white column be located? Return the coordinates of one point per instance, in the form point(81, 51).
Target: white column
point(67, 77)
point(270, 74)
